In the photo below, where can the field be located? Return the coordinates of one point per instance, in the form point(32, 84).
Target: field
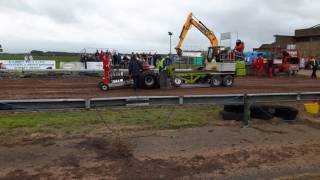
point(57, 58)
point(183, 142)
point(174, 142)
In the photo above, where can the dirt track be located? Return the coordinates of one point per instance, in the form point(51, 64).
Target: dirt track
point(86, 87)
point(225, 152)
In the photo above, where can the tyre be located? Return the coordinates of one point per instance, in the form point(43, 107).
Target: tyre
point(100, 84)
point(290, 73)
point(228, 81)
point(234, 108)
point(286, 113)
point(177, 82)
point(149, 81)
point(216, 81)
point(104, 87)
point(228, 116)
point(6, 107)
point(262, 112)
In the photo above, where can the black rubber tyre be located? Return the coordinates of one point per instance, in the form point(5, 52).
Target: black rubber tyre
point(216, 81)
point(149, 81)
point(6, 107)
point(104, 87)
point(100, 84)
point(177, 82)
point(262, 112)
point(229, 116)
point(234, 108)
point(286, 113)
point(228, 81)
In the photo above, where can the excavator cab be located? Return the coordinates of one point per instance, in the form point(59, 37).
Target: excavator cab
point(213, 54)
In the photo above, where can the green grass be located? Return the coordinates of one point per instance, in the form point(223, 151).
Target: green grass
point(57, 58)
point(161, 117)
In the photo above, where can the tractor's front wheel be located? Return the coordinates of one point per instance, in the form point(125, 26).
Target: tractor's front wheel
point(104, 87)
point(177, 82)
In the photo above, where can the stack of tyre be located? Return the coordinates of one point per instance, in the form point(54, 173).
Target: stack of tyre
point(264, 112)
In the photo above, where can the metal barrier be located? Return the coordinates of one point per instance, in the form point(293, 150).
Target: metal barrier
point(229, 99)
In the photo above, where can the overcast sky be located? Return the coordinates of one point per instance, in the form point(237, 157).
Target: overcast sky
point(71, 25)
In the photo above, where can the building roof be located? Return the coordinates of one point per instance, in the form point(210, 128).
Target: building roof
point(309, 32)
point(288, 36)
point(267, 46)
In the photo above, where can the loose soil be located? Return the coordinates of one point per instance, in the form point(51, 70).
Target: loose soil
point(227, 151)
point(86, 87)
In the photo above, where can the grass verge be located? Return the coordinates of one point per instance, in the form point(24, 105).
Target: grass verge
point(158, 118)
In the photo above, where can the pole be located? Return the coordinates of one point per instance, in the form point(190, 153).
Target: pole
point(170, 34)
point(246, 110)
point(170, 46)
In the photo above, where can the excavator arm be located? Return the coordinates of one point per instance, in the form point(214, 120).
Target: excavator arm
point(191, 20)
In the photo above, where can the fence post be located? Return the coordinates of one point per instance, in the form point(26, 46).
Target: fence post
point(88, 104)
point(246, 109)
point(181, 100)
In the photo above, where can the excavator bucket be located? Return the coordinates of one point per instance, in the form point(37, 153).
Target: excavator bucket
point(179, 52)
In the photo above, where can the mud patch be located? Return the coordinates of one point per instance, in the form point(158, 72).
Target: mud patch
point(68, 161)
point(107, 149)
point(269, 131)
point(39, 140)
point(23, 175)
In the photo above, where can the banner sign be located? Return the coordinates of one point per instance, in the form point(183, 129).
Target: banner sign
point(72, 66)
point(225, 36)
point(192, 54)
point(28, 65)
point(293, 53)
point(95, 66)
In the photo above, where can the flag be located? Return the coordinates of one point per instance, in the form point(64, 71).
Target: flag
point(226, 36)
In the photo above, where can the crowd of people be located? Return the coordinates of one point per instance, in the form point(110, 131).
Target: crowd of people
point(118, 59)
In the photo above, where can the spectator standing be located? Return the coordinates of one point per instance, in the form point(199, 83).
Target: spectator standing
point(135, 67)
point(26, 58)
point(314, 65)
point(114, 58)
point(30, 57)
point(154, 59)
point(270, 68)
point(118, 61)
point(96, 55)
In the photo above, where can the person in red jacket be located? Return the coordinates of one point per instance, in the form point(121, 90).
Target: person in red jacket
point(106, 67)
point(270, 68)
point(239, 46)
point(239, 49)
point(259, 66)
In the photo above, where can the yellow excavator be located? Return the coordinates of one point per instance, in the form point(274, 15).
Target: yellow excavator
point(213, 51)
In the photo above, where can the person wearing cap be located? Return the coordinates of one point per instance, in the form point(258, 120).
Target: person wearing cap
point(239, 49)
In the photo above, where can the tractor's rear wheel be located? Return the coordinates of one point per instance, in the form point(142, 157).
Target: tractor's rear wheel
point(216, 81)
point(149, 81)
point(228, 81)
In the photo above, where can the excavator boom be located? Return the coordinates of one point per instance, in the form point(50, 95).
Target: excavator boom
point(192, 21)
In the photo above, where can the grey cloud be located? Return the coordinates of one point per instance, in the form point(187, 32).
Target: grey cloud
point(142, 24)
